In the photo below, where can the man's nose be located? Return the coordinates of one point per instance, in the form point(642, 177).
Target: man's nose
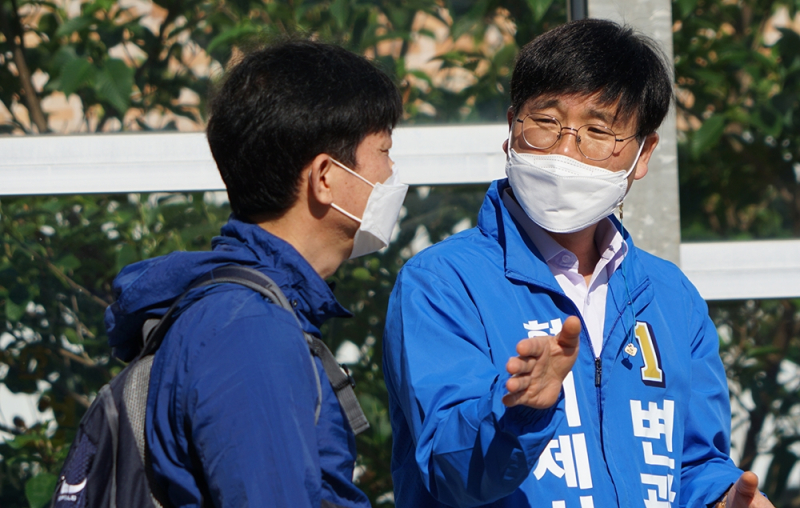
point(567, 143)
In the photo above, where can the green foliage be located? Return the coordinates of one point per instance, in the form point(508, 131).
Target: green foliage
point(739, 169)
point(58, 260)
point(761, 350)
point(739, 163)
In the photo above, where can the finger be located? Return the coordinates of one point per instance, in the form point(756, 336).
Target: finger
point(517, 365)
point(533, 346)
point(513, 399)
point(745, 488)
point(570, 333)
point(517, 384)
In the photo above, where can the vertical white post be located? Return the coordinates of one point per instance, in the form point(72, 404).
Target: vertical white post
point(652, 213)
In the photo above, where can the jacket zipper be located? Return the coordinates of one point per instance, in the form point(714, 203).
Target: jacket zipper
point(598, 373)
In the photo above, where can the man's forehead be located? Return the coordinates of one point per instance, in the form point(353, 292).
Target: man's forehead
point(589, 105)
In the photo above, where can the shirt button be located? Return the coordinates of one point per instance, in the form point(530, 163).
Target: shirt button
point(566, 259)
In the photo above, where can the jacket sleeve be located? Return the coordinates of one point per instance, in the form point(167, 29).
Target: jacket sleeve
point(245, 406)
point(707, 470)
point(470, 449)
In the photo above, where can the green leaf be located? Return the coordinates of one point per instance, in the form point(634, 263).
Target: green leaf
point(707, 135)
point(74, 25)
point(13, 311)
point(126, 255)
point(763, 350)
point(539, 8)
point(686, 7)
point(68, 263)
point(72, 336)
point(361, 273)
point(39, 489)
point(114, 83)
point(75, 74)
point(20, 442)
point(231, 37)
point(339, 10)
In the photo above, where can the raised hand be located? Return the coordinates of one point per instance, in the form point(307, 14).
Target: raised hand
point(542, 365)
point(744, 494)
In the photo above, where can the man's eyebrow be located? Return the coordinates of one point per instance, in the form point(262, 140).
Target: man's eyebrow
point(602, 114)
point(544, 103)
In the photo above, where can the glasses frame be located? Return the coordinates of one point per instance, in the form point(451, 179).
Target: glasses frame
point(577, 138)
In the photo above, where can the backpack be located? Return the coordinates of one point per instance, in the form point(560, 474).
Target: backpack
point(108, 463)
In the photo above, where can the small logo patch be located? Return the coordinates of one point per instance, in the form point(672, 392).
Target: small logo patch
point(69, 492)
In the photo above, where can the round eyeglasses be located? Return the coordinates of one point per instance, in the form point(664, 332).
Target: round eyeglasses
point(594, 142)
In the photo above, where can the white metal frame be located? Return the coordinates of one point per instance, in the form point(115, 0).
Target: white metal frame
point(158, 162)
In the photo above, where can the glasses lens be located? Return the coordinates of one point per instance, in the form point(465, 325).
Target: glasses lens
point(540, 131)
point(596, 142)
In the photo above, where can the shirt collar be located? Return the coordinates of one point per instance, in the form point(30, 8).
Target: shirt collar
point(608, 239)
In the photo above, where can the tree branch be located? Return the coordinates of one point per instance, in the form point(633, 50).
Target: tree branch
point(80, 399)
point(60, 274)
point(18, 50)
point(88, 362)
point(11, 430)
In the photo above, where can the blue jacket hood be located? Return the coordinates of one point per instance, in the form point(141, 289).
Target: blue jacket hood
point(146, 289)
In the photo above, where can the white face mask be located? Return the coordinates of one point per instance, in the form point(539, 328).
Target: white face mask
point(563, 195)
point(380, 214)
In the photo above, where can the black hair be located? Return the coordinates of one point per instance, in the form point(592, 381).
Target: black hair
point(593, 56)
point(283, 105)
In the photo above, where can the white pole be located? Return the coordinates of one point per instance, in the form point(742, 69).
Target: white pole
point(652, 212)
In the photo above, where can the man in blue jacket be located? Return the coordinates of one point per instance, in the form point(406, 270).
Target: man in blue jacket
point(301, 133)
point(541, 359)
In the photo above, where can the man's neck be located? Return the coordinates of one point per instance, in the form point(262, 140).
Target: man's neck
point(322, 248)
point(582, 244)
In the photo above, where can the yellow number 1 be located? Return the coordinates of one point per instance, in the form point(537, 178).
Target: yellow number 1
point(652, 374)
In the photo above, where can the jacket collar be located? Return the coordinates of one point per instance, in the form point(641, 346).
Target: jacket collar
point(524, 263)
point(302, 285)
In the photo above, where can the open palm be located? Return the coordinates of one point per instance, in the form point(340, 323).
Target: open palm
point(542, 365)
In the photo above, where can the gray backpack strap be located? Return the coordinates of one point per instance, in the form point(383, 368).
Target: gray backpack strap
point(154, 330)
point(341, 382)
point(134, 397)
point(112, 417)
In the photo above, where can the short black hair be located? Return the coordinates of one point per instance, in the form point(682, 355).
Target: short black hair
point(593, 56)
point(283, 105)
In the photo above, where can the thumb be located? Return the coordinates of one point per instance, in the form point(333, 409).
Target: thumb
point(743, 491)
point(570, 333)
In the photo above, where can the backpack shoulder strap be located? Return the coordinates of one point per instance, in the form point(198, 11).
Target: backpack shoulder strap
point(341, 382)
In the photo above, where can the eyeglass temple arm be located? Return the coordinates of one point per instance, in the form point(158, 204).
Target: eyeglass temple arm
point(626, 139)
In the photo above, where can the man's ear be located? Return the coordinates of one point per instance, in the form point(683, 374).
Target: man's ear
point(319, 176)
point(650, 143)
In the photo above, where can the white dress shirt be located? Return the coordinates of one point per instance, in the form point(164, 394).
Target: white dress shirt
point(589, 300)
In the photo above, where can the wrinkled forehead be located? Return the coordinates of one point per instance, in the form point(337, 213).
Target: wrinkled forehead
point(607, 110)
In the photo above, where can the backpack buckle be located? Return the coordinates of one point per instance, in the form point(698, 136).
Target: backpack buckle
point(349, 376)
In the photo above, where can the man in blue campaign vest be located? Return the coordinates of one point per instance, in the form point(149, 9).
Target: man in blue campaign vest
point(541, 359)
point(301, 133)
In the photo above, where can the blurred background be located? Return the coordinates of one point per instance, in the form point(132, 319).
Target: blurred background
point(98, 66)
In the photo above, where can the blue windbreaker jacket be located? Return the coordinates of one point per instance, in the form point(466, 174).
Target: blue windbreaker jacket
point(230, 412)
point(643, 429)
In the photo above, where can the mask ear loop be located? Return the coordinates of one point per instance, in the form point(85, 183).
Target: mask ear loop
point(630, 348)
point(508, 141)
